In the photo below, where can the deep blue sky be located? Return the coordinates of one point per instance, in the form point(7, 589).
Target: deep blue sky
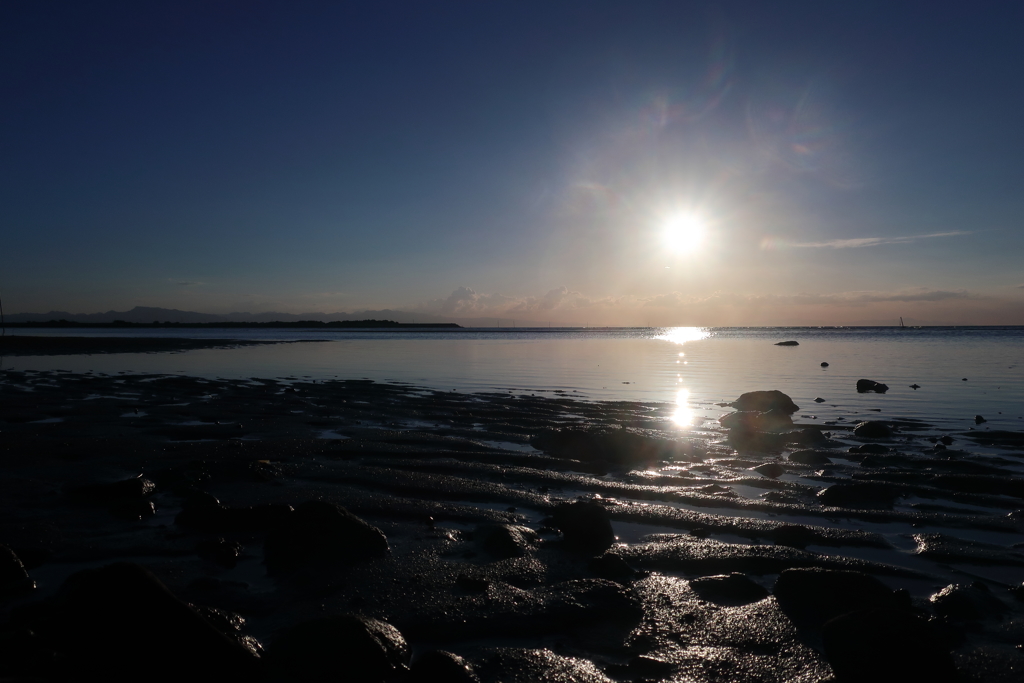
point(848, 161)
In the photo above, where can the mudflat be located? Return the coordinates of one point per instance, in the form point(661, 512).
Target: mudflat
point(299, 530)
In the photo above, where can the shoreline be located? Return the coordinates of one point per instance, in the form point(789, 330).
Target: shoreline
point(467, 489)
point(24, 345)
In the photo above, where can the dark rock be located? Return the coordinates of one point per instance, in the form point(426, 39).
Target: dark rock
point(350, 648)
point(886, 645)
point(504, 540)
point(873, 429)
point(943, 548)
point(728, 589)
point(810, 457)
point(219, 551)
point(134, 510)
point(808, 438)
point(763, 401)
point(978, 419)
point(322, 532)
point(787, 343)
point(868, 385)
point(947, 440)
point(810, 597)
point(216, 518)
point(13, 577)
point(824, 365)
point(438, 666)
point(115, 492)
point(915, 387)
point(585, 526)
point(611, 566)
point(772, 470)
point(961, 602)
point(117, 621)
point(819, 400)
point(872, 448)
point(859, 495)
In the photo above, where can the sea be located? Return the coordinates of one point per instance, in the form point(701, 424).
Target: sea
point(945, 376)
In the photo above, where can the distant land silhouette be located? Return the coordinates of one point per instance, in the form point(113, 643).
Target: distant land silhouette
point(122, 324)
point(150, 315)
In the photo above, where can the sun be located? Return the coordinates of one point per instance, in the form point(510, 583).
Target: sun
point(684, 233)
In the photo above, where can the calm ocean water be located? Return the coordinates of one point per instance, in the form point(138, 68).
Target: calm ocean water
point(961, 371)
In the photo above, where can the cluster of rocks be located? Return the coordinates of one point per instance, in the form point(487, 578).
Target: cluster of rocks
point(431, 554)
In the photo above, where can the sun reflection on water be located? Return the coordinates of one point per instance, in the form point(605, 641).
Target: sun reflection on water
point(682, 416)
point(681, 335)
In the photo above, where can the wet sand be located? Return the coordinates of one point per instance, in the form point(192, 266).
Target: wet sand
point(496, 510)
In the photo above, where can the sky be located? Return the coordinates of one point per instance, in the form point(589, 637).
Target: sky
point(602, 163)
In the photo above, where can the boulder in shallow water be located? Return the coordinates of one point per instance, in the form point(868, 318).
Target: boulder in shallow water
point(886, 645)
point(873, 429)
point(763, 401)
point(787, 343)
point(752, 420)
point(585, 526)
point(349, 647)
point(321, 531)
point(865, 386)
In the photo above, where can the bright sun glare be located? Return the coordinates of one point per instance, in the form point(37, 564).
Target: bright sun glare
point(684, 233)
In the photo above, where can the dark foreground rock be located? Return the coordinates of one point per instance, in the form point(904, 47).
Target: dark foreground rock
point(438, 666)
point(321, 532)
point(873, 429)
point(115, 622)
point(728, 589)
point(585, 526)
point(811, 597)
point(349, 647)
point(886, 646)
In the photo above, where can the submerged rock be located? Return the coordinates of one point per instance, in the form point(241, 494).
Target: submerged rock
point(349, 647)
point(873, 429)
point(772, 470)
point(787, 343)
point(320, 531)
point(865, 386)
point(752, 420)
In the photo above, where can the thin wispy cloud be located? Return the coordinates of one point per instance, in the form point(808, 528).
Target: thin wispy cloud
point(860, 242)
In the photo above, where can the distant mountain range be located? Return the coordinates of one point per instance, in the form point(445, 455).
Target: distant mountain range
point(150, 314)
